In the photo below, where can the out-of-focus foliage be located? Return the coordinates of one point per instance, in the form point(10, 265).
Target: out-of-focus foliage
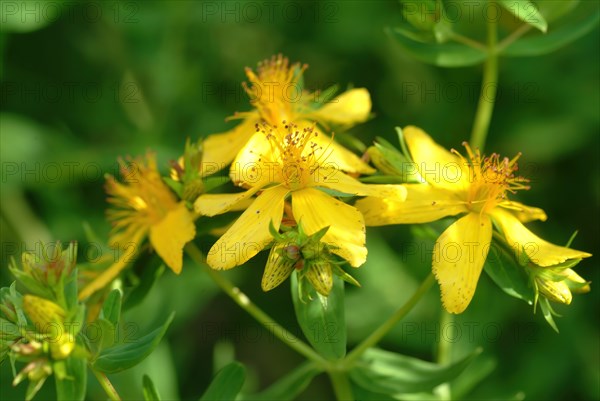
point(85, 82)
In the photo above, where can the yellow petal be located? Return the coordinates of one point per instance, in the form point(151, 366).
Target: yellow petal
point(126, 256)
point(254, 162)
point(424, 203)
point(330, 154)
point(317, 210)
point(350, 108)
point(523, 212)
point(335, 179)
point(170, 235)
point(539, 251)
point(435, 164)
point(213, 204)
point(580, 285)
point(220, 149)
point(458, 258)
point(250, 233)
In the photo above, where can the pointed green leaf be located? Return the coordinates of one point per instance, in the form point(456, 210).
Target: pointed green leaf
point(537, 45)
point(153, 270)
point(149, 389)
point(227, 383)
point(125, 356)
point(553, 10)
point(508, 275)
point(72, 385)
point(111, 309)
point(527, 12)
point(548, 312)
point(289, 386)
point(391, 373)
point(102, 334)
point(322, 319)
point(449, 54)
point(422, 14)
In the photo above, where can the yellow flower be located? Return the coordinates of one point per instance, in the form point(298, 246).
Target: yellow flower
point(289, 161)
point(276, 94)
point(143, 206)
point(477, 187)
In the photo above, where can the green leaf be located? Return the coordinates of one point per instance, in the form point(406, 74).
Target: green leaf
point(348, 140)
point(289, 386)
point(111, 310)
point(553, 10)
point(422, 14)
point(27, 16)
point(548, 312)
point(150, 392)
point(322, 318)
point(227, 383)
point(104, 334)
point(322, 97)
point(153, 270)
point(31, 284)
point(527, 12)
point(537, 45)
point(214, 182)
point(391, 373)
point(449, 54)
point(72, 387)
point(382, 179)
point(508, 275)
point(125, 356)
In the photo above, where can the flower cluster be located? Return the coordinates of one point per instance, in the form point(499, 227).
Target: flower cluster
point(40, 326)
point(302, 191)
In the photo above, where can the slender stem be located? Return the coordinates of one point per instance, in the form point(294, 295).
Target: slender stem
point(445, 351)
point(516, 34)
point(106, 385)
point(457, 37)
point(341, 385)
point(489, 86)
point(382, 330)
point(245, 303)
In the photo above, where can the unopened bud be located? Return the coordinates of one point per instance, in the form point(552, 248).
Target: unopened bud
point(62, 348)
point(557, 291)
point(42, 312)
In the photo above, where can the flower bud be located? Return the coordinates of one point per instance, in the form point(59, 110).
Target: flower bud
point(62, 348)
point(556, 291)
point(43, 313)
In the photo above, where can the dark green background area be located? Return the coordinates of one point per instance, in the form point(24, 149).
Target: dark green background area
point(83, 83)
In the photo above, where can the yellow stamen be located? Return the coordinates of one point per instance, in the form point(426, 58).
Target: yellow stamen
point(275, 91)
point(490, 178)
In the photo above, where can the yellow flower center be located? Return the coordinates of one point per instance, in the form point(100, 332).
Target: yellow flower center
point(490, 178)
point(296, 153)
point(276, 91)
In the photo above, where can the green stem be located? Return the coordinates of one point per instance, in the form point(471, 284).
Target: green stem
point(467, 41)
point(246, 304)
point(341, 385)
point(106, 385)
point(444, 351)
point(489, 86)
point(510, 39)
point(382, 330)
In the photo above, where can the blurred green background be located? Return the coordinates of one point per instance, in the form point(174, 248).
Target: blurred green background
point(86, 82)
